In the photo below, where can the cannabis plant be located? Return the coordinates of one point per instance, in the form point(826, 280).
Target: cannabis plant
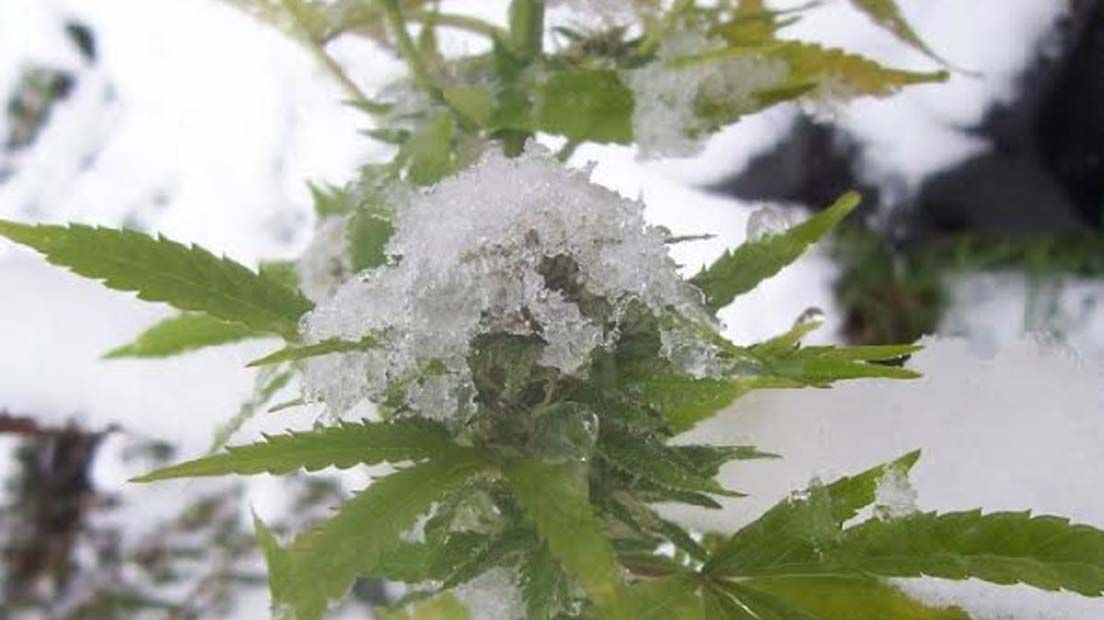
point(517, 344)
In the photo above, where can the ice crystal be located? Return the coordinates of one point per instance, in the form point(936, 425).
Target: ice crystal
point(668, 92)
point(767, 221)
point(689, 354)
point(894, 496)
point(326, 263)
point(494, 595)
point(521, 246)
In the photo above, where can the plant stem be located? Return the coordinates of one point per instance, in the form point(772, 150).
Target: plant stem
point(314, 43)
point(527, 27)
point(461, 22)
point(408, 49)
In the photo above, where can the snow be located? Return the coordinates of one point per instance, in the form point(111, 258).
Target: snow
point(495, 594)
point(326, 263)
point(478, 254)
point(667, 92)
point(894, 496)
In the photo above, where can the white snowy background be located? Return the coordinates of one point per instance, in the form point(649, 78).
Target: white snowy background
point(201, 124)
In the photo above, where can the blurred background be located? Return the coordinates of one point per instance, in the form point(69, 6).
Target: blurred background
point(982, 225)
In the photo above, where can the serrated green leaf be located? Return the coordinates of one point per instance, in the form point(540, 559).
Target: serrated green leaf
point(667, 598)
point(585, 105)
point(276, 558)
point(888, 15)
point(840, 75)
point(437, 559)
point(326, 347)
point(330, 200)
point(431, 152)
point(474, 102)
point(327, 560)
point(741, 270)
point(368, 231)
point(631, 509)
point(850, 598)
point(281, 271)
point(545, 588)
point(707, 460)
point(158, 269)
point(182, 334)
point(798, 525)
point(784, 357)
point(650, 461)
point(741, 603)
point(1005, 548)
point(497, 550)
point(340, 446)
point(685, 401)
point(555, 496)
point(822, 366)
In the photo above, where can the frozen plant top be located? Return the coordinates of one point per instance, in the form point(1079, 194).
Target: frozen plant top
point(518, 246)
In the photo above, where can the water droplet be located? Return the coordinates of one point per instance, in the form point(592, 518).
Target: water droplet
point(765, 222)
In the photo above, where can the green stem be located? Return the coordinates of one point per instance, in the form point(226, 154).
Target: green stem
point(527, 27)
point(408, 49)
point(315, 46)
point(461, 22)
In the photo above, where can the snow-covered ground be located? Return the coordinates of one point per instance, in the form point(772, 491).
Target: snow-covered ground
point(204, 126)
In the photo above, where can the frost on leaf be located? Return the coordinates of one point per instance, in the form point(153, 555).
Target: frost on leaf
point(510, 259)
point(326, 264)
point(671, 92)
point(894, 496)
point(767, 221)
point(494, 595)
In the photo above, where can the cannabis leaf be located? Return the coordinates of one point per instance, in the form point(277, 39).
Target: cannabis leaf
point(276, 557)
point(888, 15)
point(685, 401)
point(326, 347)
point(325, 561)
point(545, 587)
point(368, 231)
point(675, 596)
point(649, 461)
point(1007, 548)
point(797, 525)
point(158, 269)
point(555, 496)
point(739, 271)
point(182, 334)
point(836, 74)
point(863, 597)
point(585, 105)
point(340, 446)
point(820, 366)
point(799, 556)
